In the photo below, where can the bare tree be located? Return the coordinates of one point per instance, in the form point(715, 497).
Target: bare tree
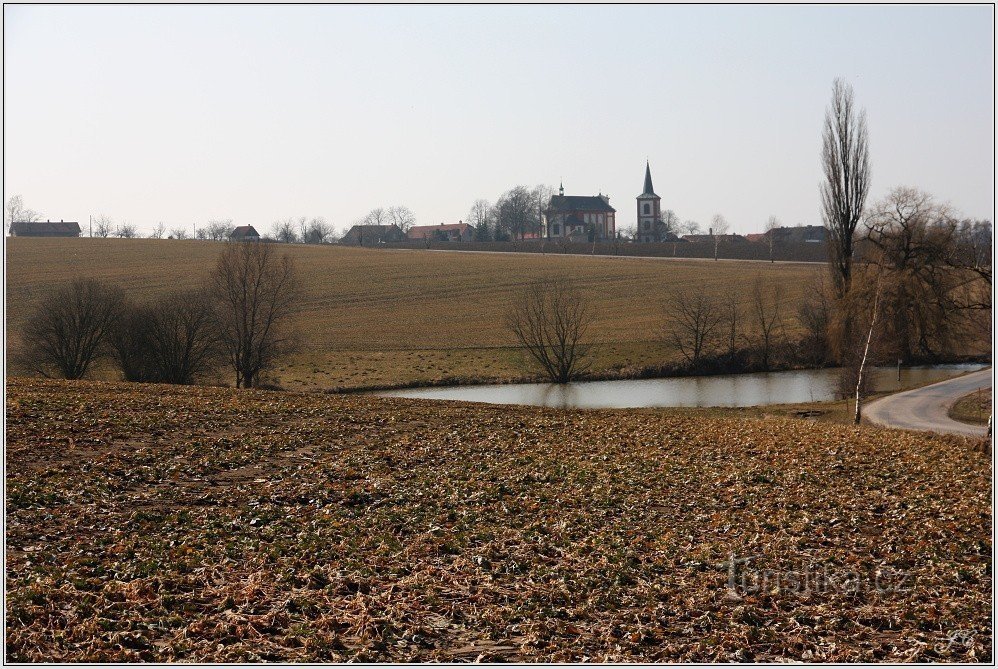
point(814, 313)
point(516, 212)
point(401, 216)
point(861, 375)
point(845, 160)
point(158, 231)
point(766, 308)
point(482, 218)
point(69, 328)
point(317, 231)
point(126, 231)
point(551, 320)
point(732, 314)
point(772, 225)
point(179, 233)
point(15, 211)
point(693, 320)
point(667, 225)
point(541, 195)
point(103, 226)
point(690, 227)
point(719, 227)
point(285, 231)
point(377, 216)
point(256, 294)
point(910, 238)
point(217, 229)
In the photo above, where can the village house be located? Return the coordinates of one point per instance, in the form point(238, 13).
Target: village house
point(588, 216)
point(244, 233)
point(725, 239)
point(447, 232)
point(44, 229)
point(373, 235)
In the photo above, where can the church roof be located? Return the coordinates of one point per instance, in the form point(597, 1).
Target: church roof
point(649, 189)
point(579, 203)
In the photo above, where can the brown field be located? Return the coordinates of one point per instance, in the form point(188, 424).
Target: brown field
point(383, 317)
point(165, 523)
point(974, 408)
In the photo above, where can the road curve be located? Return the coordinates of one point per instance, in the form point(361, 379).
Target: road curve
point(926, 408)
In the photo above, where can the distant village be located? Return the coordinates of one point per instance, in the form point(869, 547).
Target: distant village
point(520, 216)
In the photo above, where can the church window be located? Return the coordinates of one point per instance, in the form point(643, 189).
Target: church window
point(647, 208)
point(647, 224)
point(556, 230)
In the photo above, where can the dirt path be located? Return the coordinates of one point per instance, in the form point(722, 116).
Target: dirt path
point(926, 408)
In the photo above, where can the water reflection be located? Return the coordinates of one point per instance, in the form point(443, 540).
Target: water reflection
point(735, 390)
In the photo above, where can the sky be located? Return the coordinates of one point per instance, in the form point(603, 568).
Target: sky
point(182, 114)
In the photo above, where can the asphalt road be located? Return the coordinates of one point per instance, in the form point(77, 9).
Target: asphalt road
point(926, 408)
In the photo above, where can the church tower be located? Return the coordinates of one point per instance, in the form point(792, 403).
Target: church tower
point(649, 210)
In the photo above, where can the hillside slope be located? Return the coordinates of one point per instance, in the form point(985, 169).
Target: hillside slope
point(383, 316)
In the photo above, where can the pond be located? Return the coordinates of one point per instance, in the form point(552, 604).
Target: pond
point(730, 390)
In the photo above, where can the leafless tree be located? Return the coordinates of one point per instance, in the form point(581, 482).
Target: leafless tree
point(126, 231)
point(551, 320)
point(845, 160)
point(401, 216)
point(719, 227)
point(179, 233)
point(69, 327)
point(377, 216)
point(910, 239)
point(173, 340)
point(861, 373)
point(731, 313)
point(15, 211)
point(814, 313)
point(541, 195)
point(158, 231)
point(317, 231)
point(217, 229)
point(285, 231)
point(690, 227)
point(482, 218)
point(693, 320)
point(516, 213)
point(103, 226)
point(772, 225)
point(256, 293)
point(766, 312)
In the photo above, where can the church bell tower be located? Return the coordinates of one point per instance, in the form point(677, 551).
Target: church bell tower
point(649, 210)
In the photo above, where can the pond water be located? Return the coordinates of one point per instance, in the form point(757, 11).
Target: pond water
point(731, 390)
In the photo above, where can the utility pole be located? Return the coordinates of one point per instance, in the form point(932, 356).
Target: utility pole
point(91, 226)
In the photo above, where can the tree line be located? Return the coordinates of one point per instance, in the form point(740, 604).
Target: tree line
point(239, 318)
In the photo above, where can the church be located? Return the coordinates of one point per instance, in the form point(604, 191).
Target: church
point(580, 217)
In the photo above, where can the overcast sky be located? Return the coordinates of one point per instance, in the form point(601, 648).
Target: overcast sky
point(181, 114)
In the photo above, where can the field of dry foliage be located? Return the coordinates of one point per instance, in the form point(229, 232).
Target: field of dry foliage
point(386, 317)
point(204, 524)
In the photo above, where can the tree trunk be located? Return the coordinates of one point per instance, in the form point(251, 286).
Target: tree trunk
point(862, 362)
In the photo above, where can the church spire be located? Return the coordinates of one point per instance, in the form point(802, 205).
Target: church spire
point(561, 188)
point(649, 190)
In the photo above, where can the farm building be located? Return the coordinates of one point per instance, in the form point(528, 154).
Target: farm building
point(245, 233)
point(710, 238)
point(44, 229)
point(448, 232)
point(578, 215)
point(371, 235)
point(813, 234)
